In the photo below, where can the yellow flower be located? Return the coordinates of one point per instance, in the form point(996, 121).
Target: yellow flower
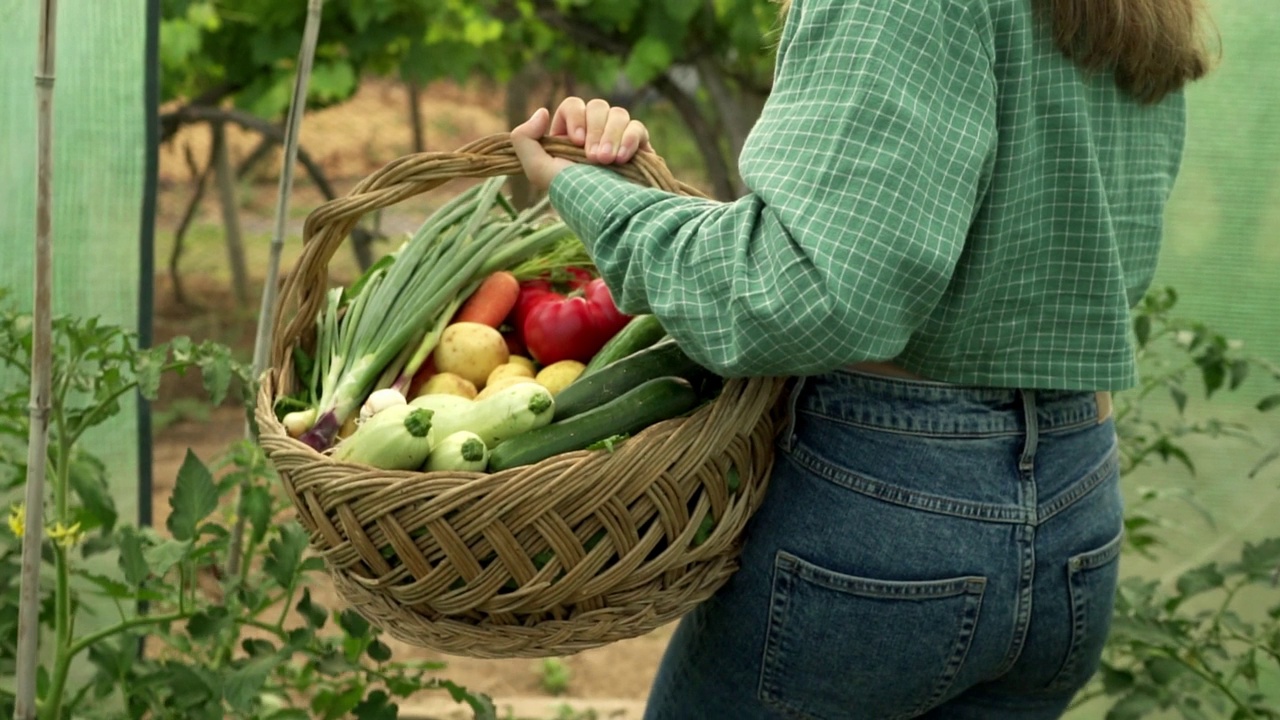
point(67, 537)
point(18, 519)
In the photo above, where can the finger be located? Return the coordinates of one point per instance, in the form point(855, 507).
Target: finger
point(634, 139)
point(597, 116)
point(611, 139)
point(571, 120)
point(526, 138)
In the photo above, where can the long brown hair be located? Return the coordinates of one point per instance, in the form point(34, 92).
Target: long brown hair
point(1153, 47)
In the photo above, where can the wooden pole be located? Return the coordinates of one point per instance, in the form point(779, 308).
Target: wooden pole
point(41, 374)
point(266, 312)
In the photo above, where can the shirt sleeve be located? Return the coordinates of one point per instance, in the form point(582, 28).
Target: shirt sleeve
point(865, 172)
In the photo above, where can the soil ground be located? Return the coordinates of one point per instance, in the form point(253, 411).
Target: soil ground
point(350, 141)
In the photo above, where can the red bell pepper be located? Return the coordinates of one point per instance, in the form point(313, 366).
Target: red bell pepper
point(556, 327)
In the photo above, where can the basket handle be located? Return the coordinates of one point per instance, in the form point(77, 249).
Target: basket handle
point(329, 224)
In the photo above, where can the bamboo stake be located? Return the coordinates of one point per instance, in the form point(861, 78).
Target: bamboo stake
point(41, 374)
point(262, 342)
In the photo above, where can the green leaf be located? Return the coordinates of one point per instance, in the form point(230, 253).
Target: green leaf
point(649, 58)
point(1260, 560)
point(353, 624)
point(1215, 375)
point(1201, 579)
point(161, 558)
point(191, 686)
point(315, 613)
point(194, 498)
point(1133, 706)
point(1163, 670)
point(377, 706)
point(257, 646)
point(1142, 329)
point(1269, 403)
point(1115, 681)
point(133, 562)
point(609, 443)
point(285, 554)
point(332, 705)
point(216, 370)
point(88, 478)
point(110, 586)
point(245, 682)
point(256, 503)
point(1168, 450)
point(480, 704)
point(332, 81)
point(207, 623)
point(378, 651)
point(1239, 373)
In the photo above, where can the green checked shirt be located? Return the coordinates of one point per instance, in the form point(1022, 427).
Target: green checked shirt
point(931, 182)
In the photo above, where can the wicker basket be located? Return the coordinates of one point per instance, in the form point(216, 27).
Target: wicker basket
point(444, 560)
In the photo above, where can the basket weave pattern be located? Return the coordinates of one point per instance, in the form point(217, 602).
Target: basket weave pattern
point(445, 560)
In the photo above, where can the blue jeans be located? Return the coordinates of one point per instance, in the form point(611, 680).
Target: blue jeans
point(924, 551)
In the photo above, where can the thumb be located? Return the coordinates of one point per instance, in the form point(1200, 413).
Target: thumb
point(525, 137)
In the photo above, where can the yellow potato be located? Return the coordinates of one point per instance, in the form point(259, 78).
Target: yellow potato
point(523, 361)
point(557, 376)
point(502, 383)
point(447, 383)
point(471, 350)
point(508, 369)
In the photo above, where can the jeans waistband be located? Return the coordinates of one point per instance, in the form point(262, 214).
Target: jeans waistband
point(933, 408)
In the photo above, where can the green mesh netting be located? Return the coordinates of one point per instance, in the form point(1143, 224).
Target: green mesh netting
point(1221, 251)
point(99, 162)
point(100, 150)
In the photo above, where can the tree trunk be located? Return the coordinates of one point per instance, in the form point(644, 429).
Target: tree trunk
point(415, 117)
point(522, 194)
point(360, 240)
point(704, 134)
point(230, 214)
point(199, 181)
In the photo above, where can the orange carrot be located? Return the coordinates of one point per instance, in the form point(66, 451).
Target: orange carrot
point(492, 302)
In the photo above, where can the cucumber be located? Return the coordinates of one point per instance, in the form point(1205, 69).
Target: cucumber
point(641, 332)
point(654, 400)
point(613, 380)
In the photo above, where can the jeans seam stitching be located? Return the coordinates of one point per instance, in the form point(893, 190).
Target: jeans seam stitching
point(973, 614)
point(879, 490)
point(974, 435)
point(1081, 489)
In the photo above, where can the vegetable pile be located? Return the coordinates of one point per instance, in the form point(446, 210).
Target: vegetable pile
point(486, 341)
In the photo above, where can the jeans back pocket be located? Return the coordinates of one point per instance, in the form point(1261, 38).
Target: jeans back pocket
point(1092, 578)
point(840, 646)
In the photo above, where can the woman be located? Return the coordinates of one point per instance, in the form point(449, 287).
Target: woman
point(953, 206)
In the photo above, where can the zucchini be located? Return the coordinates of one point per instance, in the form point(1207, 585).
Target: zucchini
point(654, 400)
point(641, 332)
point(509, 412)
point(613, 380)
point(462, 450)
point(442, 403)
point(398, 438)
